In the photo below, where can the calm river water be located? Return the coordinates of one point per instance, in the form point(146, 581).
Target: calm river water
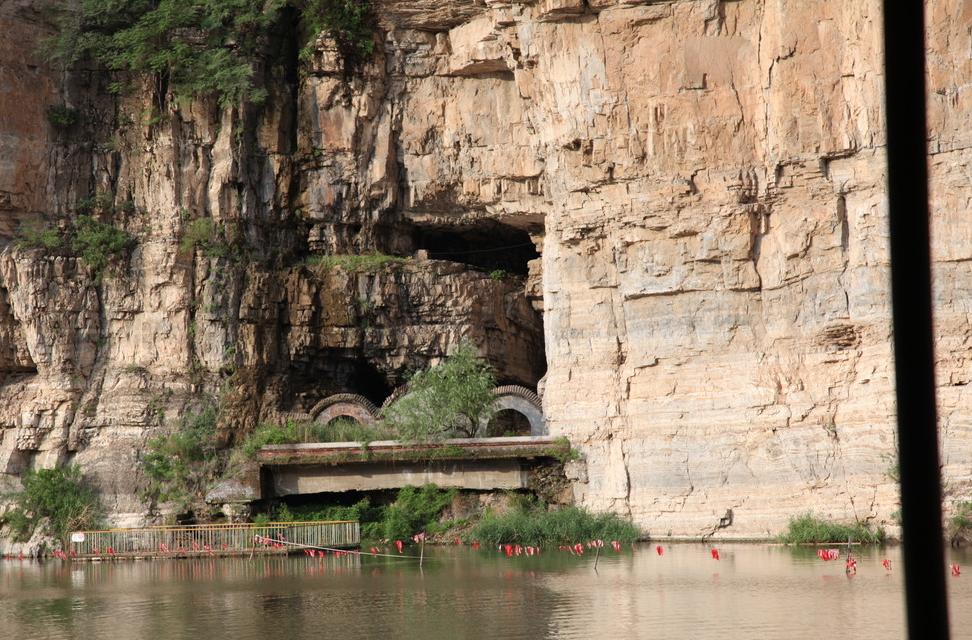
point(754, 591)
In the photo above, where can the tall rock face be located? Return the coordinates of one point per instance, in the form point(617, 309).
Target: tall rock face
point(690, 192)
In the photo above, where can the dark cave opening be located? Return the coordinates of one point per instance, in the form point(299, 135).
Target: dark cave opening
point(508, 422)
point(487, 245)
point(329, 374)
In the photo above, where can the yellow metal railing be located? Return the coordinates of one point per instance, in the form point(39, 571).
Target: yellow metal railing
point(215, 539)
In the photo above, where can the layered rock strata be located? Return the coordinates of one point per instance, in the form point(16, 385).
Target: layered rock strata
point(698, 188)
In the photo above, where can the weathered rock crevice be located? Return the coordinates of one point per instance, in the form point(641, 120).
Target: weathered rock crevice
point(669, 218)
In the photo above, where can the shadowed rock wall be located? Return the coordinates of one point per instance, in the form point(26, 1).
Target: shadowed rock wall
point(703, 179)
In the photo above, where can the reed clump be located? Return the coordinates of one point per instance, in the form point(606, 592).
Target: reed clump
point(808, 529)
point(533, 523)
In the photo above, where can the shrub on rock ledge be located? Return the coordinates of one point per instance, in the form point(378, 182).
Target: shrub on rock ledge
point(446, 401)
point(57, 500)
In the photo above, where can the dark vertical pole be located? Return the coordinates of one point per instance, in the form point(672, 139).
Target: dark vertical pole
point(921, 496)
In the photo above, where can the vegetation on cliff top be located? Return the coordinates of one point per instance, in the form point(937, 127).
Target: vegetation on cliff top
point(369, 262)
point(180, 465)
point(203, 47)
point(57, 500)
point(808, 529)
point(97, 243)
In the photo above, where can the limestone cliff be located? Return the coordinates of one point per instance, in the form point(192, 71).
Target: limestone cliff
point(690, 191)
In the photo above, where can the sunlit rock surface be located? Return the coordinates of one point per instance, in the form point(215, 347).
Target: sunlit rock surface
point(693, 192)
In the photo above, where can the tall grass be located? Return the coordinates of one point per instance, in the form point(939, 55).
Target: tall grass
point(367, 262)
point(960, 525)
point(808, 529)
point(339, 430)
point(180, 465)
point(415, 510)
point(536, 526)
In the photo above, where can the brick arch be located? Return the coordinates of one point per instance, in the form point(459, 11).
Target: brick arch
point(344, 405)
point(523, 401)
point(399, 391)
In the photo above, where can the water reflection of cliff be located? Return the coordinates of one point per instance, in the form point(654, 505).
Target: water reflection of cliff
point(754, 591)
point(265, 598)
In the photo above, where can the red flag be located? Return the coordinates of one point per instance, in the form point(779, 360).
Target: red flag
point(887, 564)
point(850, 566)
point(659, 550)
point(715, 554)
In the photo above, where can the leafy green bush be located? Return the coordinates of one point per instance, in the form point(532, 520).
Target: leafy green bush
point(960, 524)
point(349, 22)
point(56, 499)
point(807, 529)
point(446, 401)
point(101, 204)
point(362, 511)
point(498, 274)
point(533, 524)
point(368, 262)
point(98, 243)
point(39, 237)
point(199, 233)
point(203, 234)
point(61, 116)
point(202, 47)
point(413, 511)
point(180, 465)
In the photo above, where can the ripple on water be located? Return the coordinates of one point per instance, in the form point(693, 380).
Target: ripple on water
point(754, 591)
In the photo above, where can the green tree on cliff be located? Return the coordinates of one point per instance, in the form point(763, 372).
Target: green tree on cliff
point(449, 400)
point(202, 47)
point(56, 500)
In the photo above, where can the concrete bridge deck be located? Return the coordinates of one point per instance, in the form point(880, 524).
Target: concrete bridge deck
point(466, 463)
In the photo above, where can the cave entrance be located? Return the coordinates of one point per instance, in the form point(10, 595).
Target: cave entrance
point(508, 422)
point(335, 371)
point(488, 245)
